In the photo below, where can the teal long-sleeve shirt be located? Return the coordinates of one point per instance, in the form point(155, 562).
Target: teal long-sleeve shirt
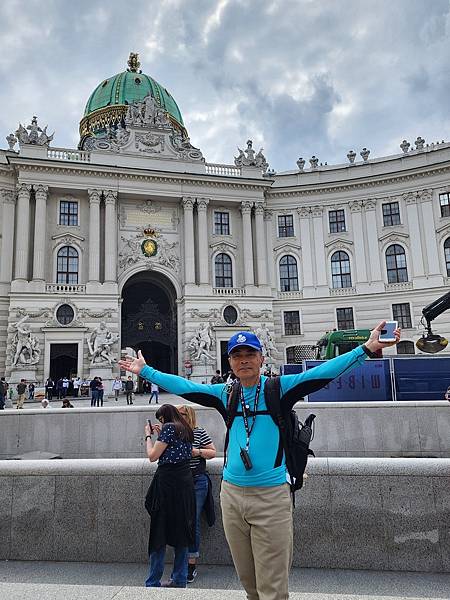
point(265, 435)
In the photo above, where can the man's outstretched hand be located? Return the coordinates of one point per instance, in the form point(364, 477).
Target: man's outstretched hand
point(373, 343)
point(134, 365)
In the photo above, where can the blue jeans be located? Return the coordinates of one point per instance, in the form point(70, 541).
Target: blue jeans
point(179, 572)
point(94, 397)
point(201, 491)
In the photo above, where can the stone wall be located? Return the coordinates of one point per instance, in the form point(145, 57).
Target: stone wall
point(366, 513)
point(389, 429)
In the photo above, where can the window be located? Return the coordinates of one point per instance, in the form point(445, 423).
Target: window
point(65, 314)
point(221, 223)
point(224, 271)
point(344, 317)
point(396, 264)
point(67, 265)
point(285, 226)
point(290, 355)
point(230, 315)
point(340, 270)
point(391, 214)
point(292, 322)
point(288, 274)
point(447, 255)
point(68, 213)
point(337, 221)
point(444, 201)
point(402, 314)
point(406, 347)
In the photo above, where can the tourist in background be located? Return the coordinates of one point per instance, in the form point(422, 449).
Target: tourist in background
point(76, 386)
point(21, 389)
point(65, 385)
point(94, 391)
point(49, 386)
point(116, 387)
point(154, 392)
point(3, 392)
point(31, 388)
point(100, 391)
point(217, 377)
point(60, 388)
point(66, 403)
point(170, 499)
point(202, 450)
point(129, 388)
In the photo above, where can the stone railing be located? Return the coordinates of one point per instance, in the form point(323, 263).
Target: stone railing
point(228, 291)
point(398, 287)
point(65, 288)
point(227, 170)
point(347, 291)
point(290, 295)
point(70, 155)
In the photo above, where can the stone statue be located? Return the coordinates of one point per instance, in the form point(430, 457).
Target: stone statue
point(263, 334)
point(99, 344)
point(25, 344)
point(33, 134)
point(12, 141)
point(248, 158)
point(201, 342)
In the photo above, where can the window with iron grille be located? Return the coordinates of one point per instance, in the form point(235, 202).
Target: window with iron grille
point(68, 213)
point(391, 214)
point(444, 201)
point(336, 220)
point(397, 271)
point(447, 255)
point(223, 271)
point(292, 322)
point(67, 265)
point(344, 317)
point(65, 314)
point(285, 226)
point(402, 314)
point(221, 223)
point(341, 276)
point(290, 355)
point(288, 274)
point(406, 347)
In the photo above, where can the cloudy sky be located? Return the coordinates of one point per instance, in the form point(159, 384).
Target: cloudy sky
point(299, 77)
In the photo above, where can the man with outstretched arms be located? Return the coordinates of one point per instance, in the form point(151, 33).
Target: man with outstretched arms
point(255, 497)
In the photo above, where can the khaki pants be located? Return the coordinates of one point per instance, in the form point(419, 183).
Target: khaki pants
point(258, 526)
point(20, 400)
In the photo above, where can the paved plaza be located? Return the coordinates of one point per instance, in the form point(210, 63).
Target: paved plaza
point(118, 581)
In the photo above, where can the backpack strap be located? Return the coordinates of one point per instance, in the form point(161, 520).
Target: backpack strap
point(232, 405)
point(272, 395)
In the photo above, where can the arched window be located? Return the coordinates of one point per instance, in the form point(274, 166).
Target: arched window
point(288, 274)
point(223, 271)
point(447, 255)
point(67, 265)
point(396, 264)
point(341, 276)
point(405, 347)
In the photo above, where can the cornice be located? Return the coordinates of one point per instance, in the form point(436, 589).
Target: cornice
point(366, 183)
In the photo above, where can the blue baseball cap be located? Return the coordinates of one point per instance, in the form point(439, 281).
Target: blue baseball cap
point(244, 338)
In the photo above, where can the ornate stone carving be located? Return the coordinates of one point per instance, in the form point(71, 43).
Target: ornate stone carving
point(41, 191)
point(94, 196)
point(405, 145)
point(201, 342)
point(246, 207)
point(301, 164)
point(351, 155)
point(8, 196)
point(213, 313)
point(317, 211)
point(365, 154)
point(166, 254)
point(86, 313)
point(184, 148)
point(150, 143)
point(304, 212)
point(314, 162)
point(410, 197)
point(266, 339)
point(25, 345)
point(33, 134)
point(43, 312)
point(188, 203)
point(12, 141)
point(355, 206)
point(149, 207)
point(247, 313)
point(370, 204)
point(100, 342)
point(147, 113)
point(202, 203)
point(248, 158)
point(268, 214)
point(419, 143)
point(131, 253)
point(66, 240)
point(259, 208)
point(426, 195)
point(110, 196)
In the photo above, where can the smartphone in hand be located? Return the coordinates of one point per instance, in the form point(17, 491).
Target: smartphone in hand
point(150, 425)
point(387, 333)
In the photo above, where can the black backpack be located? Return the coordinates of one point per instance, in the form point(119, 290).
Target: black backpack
point(294, 435)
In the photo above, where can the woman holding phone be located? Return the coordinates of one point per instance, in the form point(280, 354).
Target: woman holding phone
point(170, 500)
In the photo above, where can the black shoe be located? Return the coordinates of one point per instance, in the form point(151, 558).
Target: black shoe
point(192, 573)
point(171, 584)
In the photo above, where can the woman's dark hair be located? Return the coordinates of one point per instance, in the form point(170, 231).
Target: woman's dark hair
point(171, 415)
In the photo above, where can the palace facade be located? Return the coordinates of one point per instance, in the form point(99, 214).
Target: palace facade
point(134, 240)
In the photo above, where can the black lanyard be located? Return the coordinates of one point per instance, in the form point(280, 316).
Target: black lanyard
point(245, 414)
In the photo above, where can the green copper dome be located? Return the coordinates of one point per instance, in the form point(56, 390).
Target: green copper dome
point(108, 102)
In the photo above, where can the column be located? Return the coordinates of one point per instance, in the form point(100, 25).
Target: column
point(358, 238)
point(304, 214)
point(203, 254)
point(94, 235)
point(417, 266)
point(22, 232)
point(110, 236)
point(319, 248)
point(7, 244)
point(261, 259)
point(40, 238)
point(372, 240)
point(189, 250)
point(246, 210)
point(268, 214)
point(427, 225)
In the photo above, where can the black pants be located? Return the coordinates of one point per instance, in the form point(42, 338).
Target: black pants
point(129, 397)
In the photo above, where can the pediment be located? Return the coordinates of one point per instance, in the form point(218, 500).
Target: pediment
point(68, 235)
point(394, 236)
point(222, 244)
point(339, 242)
point(287, 246)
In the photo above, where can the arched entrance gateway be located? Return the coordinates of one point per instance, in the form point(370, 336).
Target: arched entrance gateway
point(149, 319)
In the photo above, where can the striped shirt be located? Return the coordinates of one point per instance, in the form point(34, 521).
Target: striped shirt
point(201, 439)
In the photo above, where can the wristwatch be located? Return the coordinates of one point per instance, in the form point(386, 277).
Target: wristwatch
point(369, 353)
point(148, 437)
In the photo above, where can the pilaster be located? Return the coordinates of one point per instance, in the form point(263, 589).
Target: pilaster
point(246, 211)
point(261, 259)
point(110, 236)
point(189, 249)
point(203, 255)
point(22, 236)
point(7, 244)
point(94, 235)
point(40, 237)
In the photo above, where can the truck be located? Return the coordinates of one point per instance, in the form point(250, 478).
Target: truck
point(337, 342)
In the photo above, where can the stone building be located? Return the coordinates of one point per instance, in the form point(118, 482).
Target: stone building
point(135, 240)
